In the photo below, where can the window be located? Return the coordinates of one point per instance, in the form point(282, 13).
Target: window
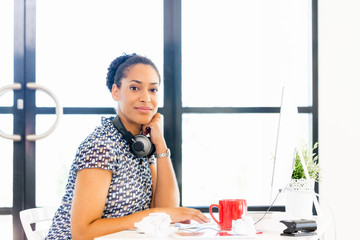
point(236, 57)
point(76, 71)
point(240, 53)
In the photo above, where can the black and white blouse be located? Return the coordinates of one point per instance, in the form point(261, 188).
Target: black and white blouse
point(130, 189)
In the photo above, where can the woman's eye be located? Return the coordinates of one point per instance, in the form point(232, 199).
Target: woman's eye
point(134, 88)
point(154, 90)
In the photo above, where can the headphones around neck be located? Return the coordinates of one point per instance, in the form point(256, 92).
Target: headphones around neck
point(140, 145)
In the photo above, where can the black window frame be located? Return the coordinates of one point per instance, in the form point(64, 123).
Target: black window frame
point(174, 110)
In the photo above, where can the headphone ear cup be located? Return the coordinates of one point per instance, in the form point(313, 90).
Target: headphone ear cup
point(142, 147)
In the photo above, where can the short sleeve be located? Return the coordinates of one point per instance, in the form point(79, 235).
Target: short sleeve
point(151, 160)
point(95, 153)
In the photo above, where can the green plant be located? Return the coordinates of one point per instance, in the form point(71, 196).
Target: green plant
point(311, 161)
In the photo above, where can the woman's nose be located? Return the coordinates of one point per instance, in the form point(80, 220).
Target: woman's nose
point(145, 97)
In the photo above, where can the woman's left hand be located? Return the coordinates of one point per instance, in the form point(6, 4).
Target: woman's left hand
point(155, 129)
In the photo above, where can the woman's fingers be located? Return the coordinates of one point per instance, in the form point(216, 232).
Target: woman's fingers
point(200, 217)
point(155, 129)
point(156, 123)
point(187, 214)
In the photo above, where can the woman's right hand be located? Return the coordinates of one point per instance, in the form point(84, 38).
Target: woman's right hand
point(183, 214)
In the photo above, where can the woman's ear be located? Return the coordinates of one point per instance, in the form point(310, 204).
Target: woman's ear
point(115, 92)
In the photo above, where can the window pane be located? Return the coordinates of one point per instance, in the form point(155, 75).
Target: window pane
point(235, 157)
point(6, 228)
point(55, 154)
point(6, 169)
point(73, 53)
point(240, 53)
point(6, 49)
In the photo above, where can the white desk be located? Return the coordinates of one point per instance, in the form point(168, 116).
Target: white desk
point(269, 226)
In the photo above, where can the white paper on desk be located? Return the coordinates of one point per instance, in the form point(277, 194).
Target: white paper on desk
point(156, 224)
point(243, 226)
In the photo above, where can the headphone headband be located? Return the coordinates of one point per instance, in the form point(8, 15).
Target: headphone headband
point(120, 126)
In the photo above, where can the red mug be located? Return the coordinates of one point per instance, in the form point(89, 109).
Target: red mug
point(229, 210)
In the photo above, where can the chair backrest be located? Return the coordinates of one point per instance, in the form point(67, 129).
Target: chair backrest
point(38, 219)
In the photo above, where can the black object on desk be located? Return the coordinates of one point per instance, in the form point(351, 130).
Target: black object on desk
point(302, 227)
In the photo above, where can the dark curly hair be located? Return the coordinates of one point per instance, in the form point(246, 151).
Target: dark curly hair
point(120, 65)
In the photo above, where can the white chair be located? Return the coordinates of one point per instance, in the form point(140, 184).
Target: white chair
point(41, 218)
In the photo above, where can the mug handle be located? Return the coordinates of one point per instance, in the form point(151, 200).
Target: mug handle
point(211, 214)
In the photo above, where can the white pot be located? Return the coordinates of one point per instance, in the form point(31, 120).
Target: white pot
point(299, 198)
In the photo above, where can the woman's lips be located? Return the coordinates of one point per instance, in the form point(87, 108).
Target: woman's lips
point(143, 109)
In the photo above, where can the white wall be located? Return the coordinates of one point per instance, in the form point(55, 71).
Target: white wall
point(339, 112)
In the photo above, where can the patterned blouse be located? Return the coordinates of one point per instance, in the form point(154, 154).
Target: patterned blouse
point(130, 189)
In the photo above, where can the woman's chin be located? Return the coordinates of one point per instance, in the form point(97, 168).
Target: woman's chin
point(144, 120)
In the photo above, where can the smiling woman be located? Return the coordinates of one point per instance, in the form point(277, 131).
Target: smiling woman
point(136, 93)
point(110, 187)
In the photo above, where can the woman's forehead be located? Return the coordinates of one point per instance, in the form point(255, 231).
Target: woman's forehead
point(142, 73)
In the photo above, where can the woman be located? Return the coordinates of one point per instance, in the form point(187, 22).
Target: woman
point(109, 188)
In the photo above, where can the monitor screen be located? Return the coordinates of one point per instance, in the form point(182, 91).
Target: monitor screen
point(287, 137)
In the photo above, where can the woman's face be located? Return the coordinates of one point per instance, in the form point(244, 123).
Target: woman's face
point(138, 96)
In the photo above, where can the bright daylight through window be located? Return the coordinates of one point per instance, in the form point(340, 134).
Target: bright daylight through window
point(238, 55)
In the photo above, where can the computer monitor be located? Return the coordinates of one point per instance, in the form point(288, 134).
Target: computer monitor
point(286, 142)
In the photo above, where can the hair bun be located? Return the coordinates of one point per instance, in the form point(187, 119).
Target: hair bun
point(114, 65)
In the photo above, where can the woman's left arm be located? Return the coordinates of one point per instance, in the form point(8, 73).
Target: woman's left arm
point(165, 187)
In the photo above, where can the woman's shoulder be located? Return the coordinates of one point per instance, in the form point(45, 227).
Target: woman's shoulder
point(103, 136)
point(101, 148)
point(104, 132)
